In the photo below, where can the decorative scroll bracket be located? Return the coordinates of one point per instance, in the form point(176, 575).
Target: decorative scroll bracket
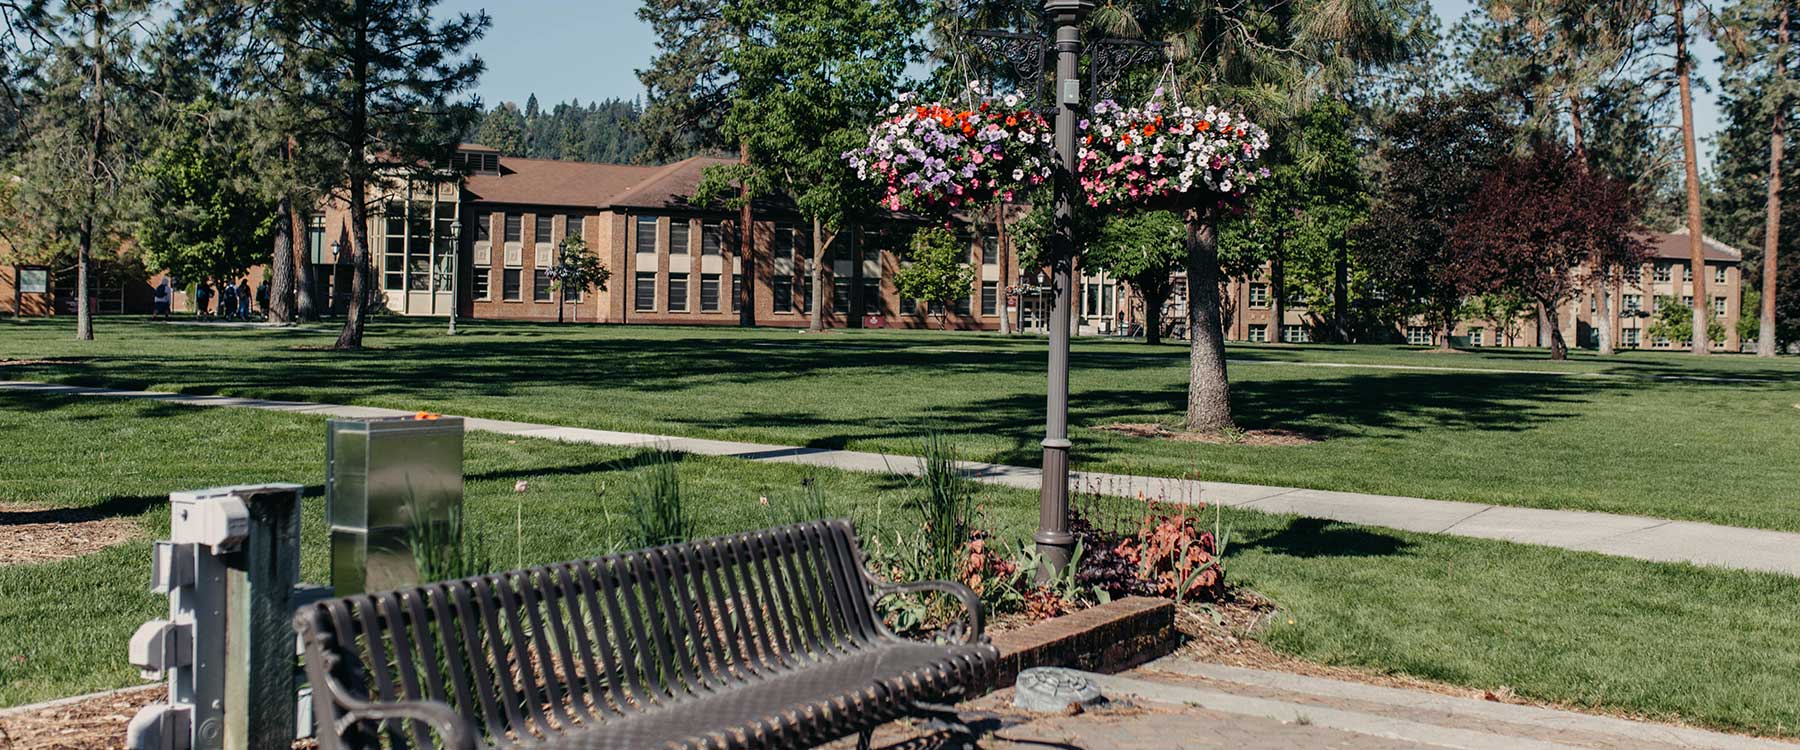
point(1110, 59)
point(1022, 56)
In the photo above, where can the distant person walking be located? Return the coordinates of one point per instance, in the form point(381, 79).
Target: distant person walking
point(243, 297)
point(160, 299)
point(262, 298)
point(227, 300)
point(202, 300)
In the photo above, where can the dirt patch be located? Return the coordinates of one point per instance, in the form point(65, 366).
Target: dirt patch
point(36, 362)
point(90, 724)
point(1156, 431)
point(34, 534)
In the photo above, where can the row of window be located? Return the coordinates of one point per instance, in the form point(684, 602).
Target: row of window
point(513, 227)
point(644, 292)
point(511, 289)
point(1666, 271)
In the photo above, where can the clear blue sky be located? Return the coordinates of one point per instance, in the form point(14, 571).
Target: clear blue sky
point(591, 49)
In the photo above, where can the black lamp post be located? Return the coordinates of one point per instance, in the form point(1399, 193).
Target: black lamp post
point(455, 272)
point(1026, 55)
point(337, 258)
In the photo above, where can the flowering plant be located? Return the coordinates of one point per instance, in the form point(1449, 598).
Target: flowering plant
point(934, 157)
point(1150, 154)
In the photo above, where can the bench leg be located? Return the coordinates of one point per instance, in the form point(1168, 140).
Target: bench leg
point(863, 737)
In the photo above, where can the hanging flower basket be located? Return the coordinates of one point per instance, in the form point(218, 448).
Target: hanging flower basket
point(934, 158)
point(1167, 157)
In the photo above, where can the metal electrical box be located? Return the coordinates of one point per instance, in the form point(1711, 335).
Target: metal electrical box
point(383, 476)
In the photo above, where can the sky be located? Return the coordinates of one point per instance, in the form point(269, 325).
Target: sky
point(591, 49)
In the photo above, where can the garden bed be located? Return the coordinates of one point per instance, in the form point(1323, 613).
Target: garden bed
point(35, 533)
point(1154, 431)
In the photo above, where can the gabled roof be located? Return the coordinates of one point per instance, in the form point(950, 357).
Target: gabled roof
point(548, 182)
point(1674, 246)
point(670, 186)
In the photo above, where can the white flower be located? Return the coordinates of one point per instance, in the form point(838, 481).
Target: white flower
point(1025, 137)
point(1106, 131)
point(1018, 174)
point(1011, 100)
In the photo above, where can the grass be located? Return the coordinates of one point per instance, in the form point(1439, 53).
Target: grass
point(1635, 434)
point(1668, 641)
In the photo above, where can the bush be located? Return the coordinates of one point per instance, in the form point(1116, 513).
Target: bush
point(657, 514)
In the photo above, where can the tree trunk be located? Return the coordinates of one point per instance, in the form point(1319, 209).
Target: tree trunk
point(1000, 287)
point(1447, 331)
point(1576, 131)
point(1765, 330)
point(1155, 296)
point(1559, 349)
point(84, 313)
point(1691, 161)
point(1209, 393)
point(1603, 333)
point(351, 336)
point(281, 265)
point(1340, 295)
point(746, 250)
point(816, 321)
point(306, 306)
point(1278, 295)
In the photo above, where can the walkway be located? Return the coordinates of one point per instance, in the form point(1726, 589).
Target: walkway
point(1176, 704)
point(1625, 536)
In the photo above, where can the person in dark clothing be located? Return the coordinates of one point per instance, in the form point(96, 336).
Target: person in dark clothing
point(243, 297)
point(202, 300)
point(227, 300)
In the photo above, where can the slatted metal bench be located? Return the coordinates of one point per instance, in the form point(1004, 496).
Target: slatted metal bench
point(763, 639)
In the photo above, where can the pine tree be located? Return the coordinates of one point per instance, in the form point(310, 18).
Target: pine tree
point(503, 129)
point(77, 171)
point(1759, 96)
point(379, 85)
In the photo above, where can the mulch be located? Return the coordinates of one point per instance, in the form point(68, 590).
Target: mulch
point(1154, 431)
point(36, 534)
point(96, 723)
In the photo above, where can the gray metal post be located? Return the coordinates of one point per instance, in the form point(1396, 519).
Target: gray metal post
point(1053, 539)
point(259, 635)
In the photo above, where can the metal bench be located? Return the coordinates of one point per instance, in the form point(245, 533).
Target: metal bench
point(763, 639)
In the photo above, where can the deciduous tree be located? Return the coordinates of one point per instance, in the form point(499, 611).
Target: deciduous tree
point(200, 223)
point(937, 271)
point(1537, 224)
point(1143, 249)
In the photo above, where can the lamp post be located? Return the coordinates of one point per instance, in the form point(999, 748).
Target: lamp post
point(337, 259)
point(1108, 58)
point(455, 272)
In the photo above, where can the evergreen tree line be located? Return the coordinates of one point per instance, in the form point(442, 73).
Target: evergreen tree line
point(604, 131)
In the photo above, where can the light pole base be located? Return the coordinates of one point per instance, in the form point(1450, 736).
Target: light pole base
point(1055, 545)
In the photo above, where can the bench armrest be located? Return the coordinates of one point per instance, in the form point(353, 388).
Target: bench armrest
point(456, 732)
point(971, 604)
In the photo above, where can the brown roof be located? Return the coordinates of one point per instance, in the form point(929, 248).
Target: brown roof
point(477, 147)
point(671, 186)
point(1674, 246)
point(548, 182)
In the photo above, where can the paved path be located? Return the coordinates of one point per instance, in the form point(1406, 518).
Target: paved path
point(1607, 533)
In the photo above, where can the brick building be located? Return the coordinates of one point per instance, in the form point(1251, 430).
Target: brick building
point(1666, 275)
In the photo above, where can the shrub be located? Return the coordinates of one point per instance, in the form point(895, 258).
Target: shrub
point(657, 514)
point(1174, 556)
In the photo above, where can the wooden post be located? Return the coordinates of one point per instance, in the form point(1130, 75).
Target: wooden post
point(260, 678)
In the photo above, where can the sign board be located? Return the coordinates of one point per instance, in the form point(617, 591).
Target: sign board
point(34, 281)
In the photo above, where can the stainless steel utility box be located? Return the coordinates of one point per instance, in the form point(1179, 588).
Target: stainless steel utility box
point(383, 476)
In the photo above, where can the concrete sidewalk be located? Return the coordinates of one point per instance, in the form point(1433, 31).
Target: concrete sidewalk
point(1626, 536)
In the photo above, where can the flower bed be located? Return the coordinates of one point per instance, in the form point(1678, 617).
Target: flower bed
point(1155, 157)
point(933, 158)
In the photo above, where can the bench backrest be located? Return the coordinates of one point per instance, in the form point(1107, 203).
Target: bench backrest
point(526, 652)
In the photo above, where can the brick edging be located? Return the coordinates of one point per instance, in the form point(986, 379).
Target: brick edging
point(1117, 635)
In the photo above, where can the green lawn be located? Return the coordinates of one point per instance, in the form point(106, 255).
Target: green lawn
point(1671, 641)
point(1657, 434)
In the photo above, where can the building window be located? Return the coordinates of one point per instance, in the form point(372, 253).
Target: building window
point(1665, 271)
point(540, 285)
point(646, 234)
point(514, 226)
point(990, 298)
point(509, 284)
point(784, 242)
point(1687, 301)
point(315, 238)
point(645, 292)
point(908, 306)
point(1631, 337)
point(483, 228)
point(737, 289)
point(709, 238)
point(962, 305)
point(1090, 299)
point(678, 237)
point(782, 292)
point(573, 225)
point(541, 230)
point(1718, 274)
point(483, 279)
point(1633, 302)
point(1477, 337)
point(1418, 335)
point(1259, 296)
point(840, 294)
point(678, 288)
point(1719, 306)
point(1296, 334)
point(871, 297)
point(1259, 334)
point(1687, 272)
point(709, 292)
point(806, 292)
point(990, 249)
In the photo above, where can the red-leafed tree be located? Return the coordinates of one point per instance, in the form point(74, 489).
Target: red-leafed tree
point(1542, 222)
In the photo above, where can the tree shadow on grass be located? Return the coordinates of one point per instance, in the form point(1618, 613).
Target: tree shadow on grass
point(1313, 537)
